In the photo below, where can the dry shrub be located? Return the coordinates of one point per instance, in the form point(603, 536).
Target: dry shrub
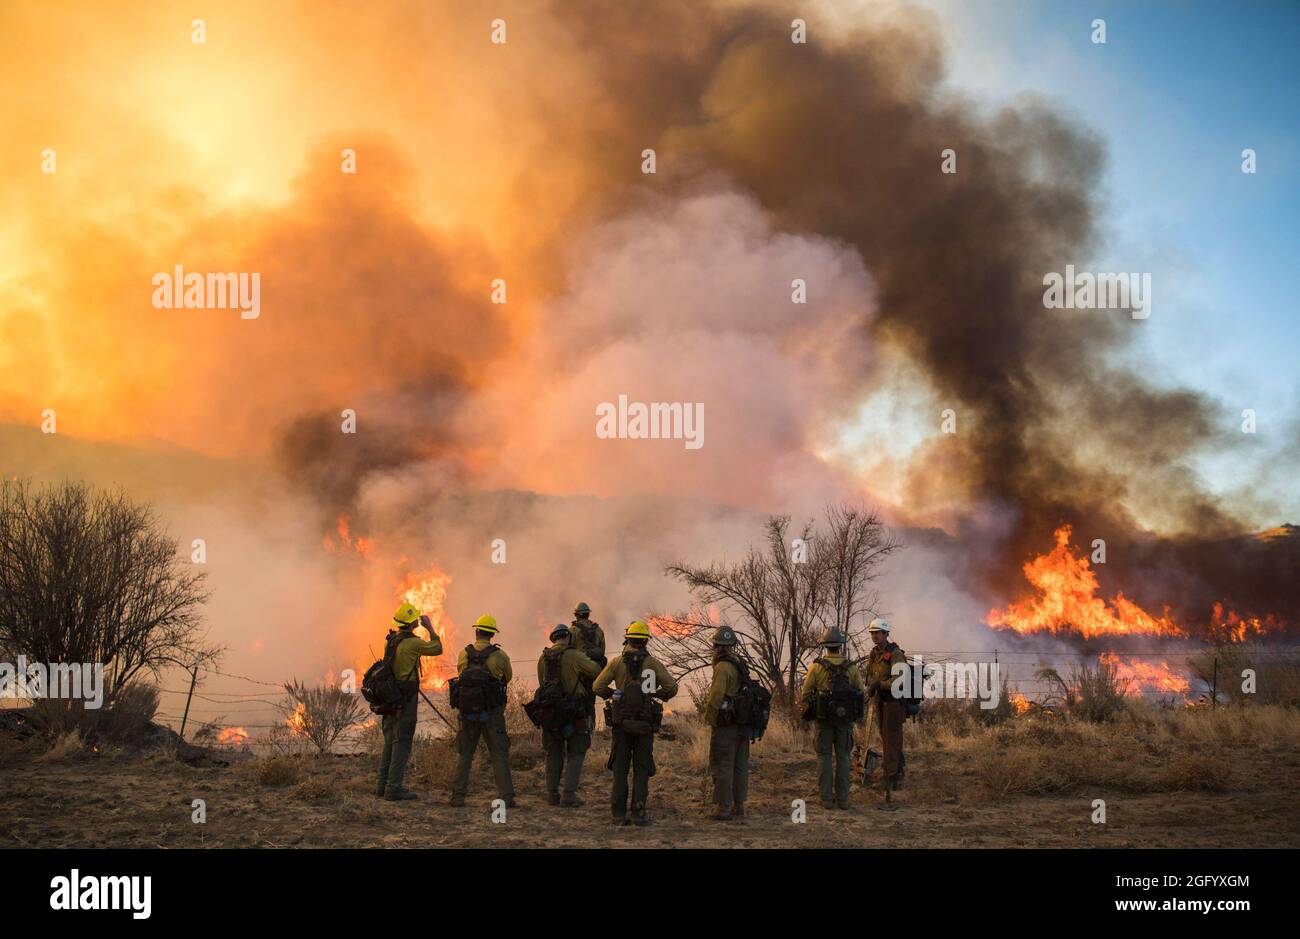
point(433, 763)
point(518, 724)
point(1093, 692)
point(131, 713)
point(370, 738)
point(277, 771)
point(67, 746)
point(1194, 770)
point(58, 717)
point(282, 741)
point(323, 712)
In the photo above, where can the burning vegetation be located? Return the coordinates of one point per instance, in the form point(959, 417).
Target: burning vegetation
point(1067, 605)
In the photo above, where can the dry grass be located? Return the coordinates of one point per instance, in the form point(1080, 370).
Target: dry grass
point(1276, 674)
point(1141, 748)
point(276, 771)
point(315, 789)
point(68, 745)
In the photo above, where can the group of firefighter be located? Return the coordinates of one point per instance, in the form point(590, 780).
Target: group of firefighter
point(574, 671)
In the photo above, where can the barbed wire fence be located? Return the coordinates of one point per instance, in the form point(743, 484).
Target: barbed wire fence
point(1170, 676)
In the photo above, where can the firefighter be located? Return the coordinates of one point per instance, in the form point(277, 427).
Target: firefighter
point(399, 728)
point(638, 679)
point(890, 712)
point(483, 671)
point(566, 748)
point(729, 743)
point(834, 695)
point(589, 639)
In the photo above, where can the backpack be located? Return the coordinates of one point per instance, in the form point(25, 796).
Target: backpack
point(551, 709)
point(840, 703)
point(380, 687)
point(912, 704)
point(586, 632)
point(751, 705)
point(476, 689)
point(634, 712)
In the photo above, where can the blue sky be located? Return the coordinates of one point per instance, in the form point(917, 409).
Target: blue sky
point(1177, 91)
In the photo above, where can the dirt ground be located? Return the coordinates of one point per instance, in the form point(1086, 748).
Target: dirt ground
point(949, 800)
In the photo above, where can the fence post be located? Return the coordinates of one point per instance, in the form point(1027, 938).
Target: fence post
point(194, 677)
point(1214, 686)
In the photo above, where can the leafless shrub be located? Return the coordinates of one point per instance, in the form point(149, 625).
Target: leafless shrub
point(321, 713)
point(1093, 692)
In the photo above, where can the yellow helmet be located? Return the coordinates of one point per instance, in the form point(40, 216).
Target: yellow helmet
point(487, 622)
point(406, 614)
point(637, 630)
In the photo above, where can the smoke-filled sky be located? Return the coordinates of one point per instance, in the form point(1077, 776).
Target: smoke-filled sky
point(523, 161)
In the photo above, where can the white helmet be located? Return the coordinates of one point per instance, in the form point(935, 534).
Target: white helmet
point(878, 625)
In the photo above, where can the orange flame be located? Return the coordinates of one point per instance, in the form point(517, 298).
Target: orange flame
point(1019, 702)
point(1227, 626)
point(428, 594)
point(297, 721)
point(233, 736)
point(1143, 676)
point(1067, 601)
point(361, 546)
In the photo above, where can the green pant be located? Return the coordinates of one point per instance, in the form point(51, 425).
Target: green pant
point(493, 731)
point(729, 764)
point(635, 753)
point(835, 743)
point(564, 756)
point(399, 732)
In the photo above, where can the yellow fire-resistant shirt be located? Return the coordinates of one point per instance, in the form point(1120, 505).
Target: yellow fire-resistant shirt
point(498, 662)
point(406, 660)
point(818, 678)
point(726, 683)
point(616, 671)
point(575, 668)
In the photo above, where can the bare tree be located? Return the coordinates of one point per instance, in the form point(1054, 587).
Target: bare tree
point(89, 577)
point(781, 596)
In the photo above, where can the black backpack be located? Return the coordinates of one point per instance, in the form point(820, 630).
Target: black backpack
point(635, 713)
point(841, 703)
point(551, 709)
point(751, 706)
point(380, 687)
point(587, 633)
point(476, 689)
point(913, 703)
